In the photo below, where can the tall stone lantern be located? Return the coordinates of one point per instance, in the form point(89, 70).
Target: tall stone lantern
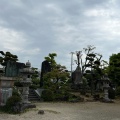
point(106, 86)
point(26, 74)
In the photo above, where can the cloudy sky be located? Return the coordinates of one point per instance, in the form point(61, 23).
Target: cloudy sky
point(32, 29)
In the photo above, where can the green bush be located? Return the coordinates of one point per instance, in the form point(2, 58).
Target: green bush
point(36, 81)
point(59, 97)
point(11, 102)
point(118, 91)
point(18, 84)
point(111, 93)
point(15, 93)
point(74, 98)
point(47, 95)
point(33, 86)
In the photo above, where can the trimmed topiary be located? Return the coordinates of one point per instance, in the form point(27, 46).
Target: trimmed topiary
point(111, 93)
point(47, 95)
point(15, 93)
point(11, 102)
point(118, 91)
point(18, 84)
point(33, 86)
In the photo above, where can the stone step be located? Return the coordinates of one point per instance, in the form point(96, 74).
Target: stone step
point(34, 99)
point(32, 96)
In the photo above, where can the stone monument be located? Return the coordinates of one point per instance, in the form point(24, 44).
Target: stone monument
point(8, 75)
point(12, 68)
point(6, 85)
point(44, 69)
point(77, 75)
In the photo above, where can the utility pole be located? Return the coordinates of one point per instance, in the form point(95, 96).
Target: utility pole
point(79, 55)
point(71, 61)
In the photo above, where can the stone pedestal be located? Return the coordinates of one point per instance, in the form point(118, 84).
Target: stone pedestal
point(6, 84)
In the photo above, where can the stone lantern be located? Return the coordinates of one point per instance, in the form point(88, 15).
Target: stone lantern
point(26, 74)
point(106, 86)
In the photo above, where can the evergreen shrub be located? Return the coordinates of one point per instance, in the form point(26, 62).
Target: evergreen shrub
point(11, 102)
point(111, 93)
point(33, 86)
point(18, 84)
point(118, 91)
point(47, 95)
point(15, 93)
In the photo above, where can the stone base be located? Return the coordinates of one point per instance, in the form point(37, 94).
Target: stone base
point(107, 100)
point(27, 106)
point(20, 107)
point(26, 102)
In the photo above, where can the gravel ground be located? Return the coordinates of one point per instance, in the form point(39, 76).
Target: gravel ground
point(70, 111)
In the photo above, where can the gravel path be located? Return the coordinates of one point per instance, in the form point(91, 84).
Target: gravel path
point(70, 111)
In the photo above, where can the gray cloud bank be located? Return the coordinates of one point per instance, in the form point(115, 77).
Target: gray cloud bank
point(32, 29)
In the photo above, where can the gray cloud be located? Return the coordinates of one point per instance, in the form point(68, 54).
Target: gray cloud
point(33, 29)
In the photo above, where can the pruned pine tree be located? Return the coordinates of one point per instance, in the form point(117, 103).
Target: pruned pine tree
point(7, 57)
point(56, 80)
